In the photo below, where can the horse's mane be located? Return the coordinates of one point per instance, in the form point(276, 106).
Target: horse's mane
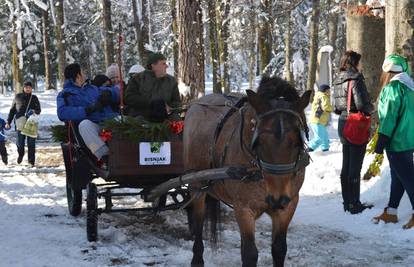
point(275, 87)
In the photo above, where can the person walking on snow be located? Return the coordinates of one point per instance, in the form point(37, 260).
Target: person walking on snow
point(396, 133)
point(3, 150)
point(321, 109)
point(24, 104)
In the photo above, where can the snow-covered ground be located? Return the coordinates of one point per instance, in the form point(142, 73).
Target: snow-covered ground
point(36, 229)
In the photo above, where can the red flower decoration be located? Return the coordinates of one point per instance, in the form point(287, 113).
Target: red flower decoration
point(105, 135)
point(176, 126)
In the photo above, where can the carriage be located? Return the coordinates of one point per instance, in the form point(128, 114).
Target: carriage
point(248, 152)
point(138, 166)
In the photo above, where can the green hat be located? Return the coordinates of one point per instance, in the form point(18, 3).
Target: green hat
point(396, 63)
point(154, 58)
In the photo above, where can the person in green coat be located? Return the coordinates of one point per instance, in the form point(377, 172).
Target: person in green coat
point(321, 109)
point(153, 93)
point(396, 133)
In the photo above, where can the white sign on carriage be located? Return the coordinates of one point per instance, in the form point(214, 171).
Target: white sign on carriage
point(155, 153)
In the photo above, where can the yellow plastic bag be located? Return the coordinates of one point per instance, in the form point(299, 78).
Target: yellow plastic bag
point(31, 126)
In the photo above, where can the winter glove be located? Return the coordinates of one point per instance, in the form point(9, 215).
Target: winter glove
point(105, 97)
point(97, 106)
point(29, 113)
point(382, 142)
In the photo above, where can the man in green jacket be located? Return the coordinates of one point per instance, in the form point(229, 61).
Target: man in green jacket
point(153, 93)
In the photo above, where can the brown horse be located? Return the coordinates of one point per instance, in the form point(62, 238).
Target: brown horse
point(263, 132)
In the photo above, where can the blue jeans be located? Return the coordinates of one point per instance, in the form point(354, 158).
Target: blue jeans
point(320, 137)
point(31, 146)
point(402, 177)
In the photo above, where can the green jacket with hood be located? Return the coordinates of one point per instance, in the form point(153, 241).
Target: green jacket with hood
point(396, 113)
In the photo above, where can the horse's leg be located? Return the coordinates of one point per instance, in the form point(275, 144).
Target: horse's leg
point(280, 224)
point(247, 225)
point(198, 213)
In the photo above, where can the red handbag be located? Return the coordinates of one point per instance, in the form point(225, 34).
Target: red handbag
point(357, 125)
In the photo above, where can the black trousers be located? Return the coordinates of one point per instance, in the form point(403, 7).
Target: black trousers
point(31, 146)
point(3, 151)
point(352, 159)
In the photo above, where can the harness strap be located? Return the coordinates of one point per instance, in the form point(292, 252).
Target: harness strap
point(280, 169)
point(236, 106)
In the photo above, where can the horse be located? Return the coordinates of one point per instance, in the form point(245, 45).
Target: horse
point(263, 132)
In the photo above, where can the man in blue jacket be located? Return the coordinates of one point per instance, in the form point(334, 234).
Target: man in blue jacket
point(86, 105)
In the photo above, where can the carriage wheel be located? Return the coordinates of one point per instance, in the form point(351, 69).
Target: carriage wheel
point(73, 196)
point(92, 212)
point(159, 202)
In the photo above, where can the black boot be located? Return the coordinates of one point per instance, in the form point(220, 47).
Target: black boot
point(345, 193)
point(355, 205)
point(20, 158)
point(4, 159)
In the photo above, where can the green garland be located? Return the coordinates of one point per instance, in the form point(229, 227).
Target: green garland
point(134, 129)
point(138, 129)
point(374, 168)
point(59, 133)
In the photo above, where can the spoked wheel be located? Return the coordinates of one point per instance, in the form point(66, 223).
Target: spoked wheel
point(92, 212)
point(74, 197)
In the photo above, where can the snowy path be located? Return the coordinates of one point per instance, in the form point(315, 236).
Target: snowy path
point(38, 231)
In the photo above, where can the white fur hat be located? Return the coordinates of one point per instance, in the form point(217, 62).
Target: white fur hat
point(137, 68)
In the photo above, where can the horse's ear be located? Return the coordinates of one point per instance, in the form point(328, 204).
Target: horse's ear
point(257, 103)
point(303, 102)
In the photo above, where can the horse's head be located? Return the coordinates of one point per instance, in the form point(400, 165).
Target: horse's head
point(279, 129)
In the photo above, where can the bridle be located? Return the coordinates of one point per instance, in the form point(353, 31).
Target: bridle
point(302, 159)
point(259, 164)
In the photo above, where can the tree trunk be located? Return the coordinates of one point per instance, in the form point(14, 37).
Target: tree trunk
point(46, 49)
point(108, 32)
point(399, 18)
point(313, 49)
point(17, 73)
point(365, 35)
point(175, 35)
point(223, 36)
point(253, 45)
point(288, 50)
point(60, 41)
point(333, 19)
point(144, 35)
point(214, 51)
point(191, 51)
point(265, 34)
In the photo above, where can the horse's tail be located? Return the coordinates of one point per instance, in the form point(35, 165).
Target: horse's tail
point(213, 217)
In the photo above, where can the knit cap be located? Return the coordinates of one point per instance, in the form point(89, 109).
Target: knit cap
point(112, 71)
point(396, 63)
point(324, 87)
